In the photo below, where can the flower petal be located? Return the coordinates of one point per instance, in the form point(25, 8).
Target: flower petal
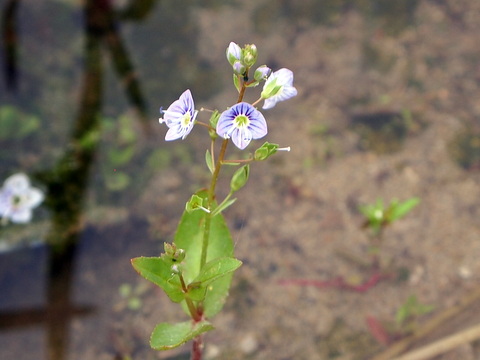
point(180, 117)
point(243, 131)
point(241, 138)
point(17, 183)
point(278, 87)
point(21, 216)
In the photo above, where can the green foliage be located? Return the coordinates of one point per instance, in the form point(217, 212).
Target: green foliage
point(378, 216)
point(159, 271)
point(189, 237)
point(398, 210)
point(209, 161)
point(195, 203)
point(410, 310)
point(15, 124)
point(211, 272)
point(179, 273)
point(168, 336)
point(239, 178)
point(265, 151)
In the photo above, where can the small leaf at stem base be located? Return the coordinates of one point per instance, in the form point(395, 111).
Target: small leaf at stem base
point(167, 336)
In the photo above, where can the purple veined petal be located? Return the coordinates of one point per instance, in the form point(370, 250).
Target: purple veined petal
point(178, 131)
point(241, 138)
point(187, 100)
point(269, 103)
point(242, 131)
point(285, 93)
point(180, 117)
point(284, 76)
point(258, 128)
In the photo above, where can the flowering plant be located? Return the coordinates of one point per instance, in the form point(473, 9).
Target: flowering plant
point(196, 268)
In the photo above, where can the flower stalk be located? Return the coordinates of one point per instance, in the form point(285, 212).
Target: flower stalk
point(203, 284)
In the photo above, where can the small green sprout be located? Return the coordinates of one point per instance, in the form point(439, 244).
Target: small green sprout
point(378, 216)
point(408, 313)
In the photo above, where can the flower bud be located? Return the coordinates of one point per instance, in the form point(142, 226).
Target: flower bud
point(239, 68)
point(171, 251)
point(265, 151)
point(234, 53)
point(250, 54)
point(262, 73)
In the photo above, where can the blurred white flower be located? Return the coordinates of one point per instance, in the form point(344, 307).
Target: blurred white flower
point(18, 198)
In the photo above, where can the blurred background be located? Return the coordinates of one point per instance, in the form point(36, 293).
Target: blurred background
point(387, 108)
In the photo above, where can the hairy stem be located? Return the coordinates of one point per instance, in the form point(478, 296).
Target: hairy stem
point(197, 348)
point(211, 198)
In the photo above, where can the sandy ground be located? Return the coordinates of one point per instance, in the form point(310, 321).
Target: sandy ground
point(385, 107)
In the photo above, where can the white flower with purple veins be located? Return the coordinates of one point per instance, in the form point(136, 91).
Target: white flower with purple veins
point(242, 123)
point(278, 87)
point(18, 198)
point(179, 117)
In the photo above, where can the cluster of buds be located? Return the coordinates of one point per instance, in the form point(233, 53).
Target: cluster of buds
point(242, 59)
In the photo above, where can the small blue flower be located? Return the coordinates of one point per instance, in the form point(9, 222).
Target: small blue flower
point(242, 123)
point(179, 117)
point(278, 87)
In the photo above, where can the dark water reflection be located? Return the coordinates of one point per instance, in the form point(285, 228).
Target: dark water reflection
point(66, 181)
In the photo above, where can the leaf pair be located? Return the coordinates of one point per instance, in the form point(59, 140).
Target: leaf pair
point(207, 285)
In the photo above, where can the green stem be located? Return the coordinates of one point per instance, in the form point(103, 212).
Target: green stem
point(191, 306)
point(257, 101)
point(210, 200)
point(241, 94)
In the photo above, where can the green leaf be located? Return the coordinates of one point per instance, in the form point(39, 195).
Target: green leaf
point(189, 236)
point(168, 336)
point(212, 271)
point(225, 204)
point(158, 270)
point(236, 82)
point(208, 160)
point(397, 211)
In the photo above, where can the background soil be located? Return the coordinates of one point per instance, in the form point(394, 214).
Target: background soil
point(385, 105)
point(388, 107)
